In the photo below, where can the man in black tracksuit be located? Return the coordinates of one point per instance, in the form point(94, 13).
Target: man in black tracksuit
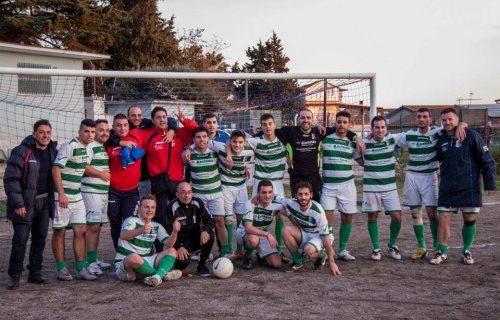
point(197, 228)
point(302, 144)
point(462, 165)
point(30, 198)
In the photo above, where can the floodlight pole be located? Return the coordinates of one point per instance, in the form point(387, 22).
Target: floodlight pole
point(373, 97)
point(325, 84)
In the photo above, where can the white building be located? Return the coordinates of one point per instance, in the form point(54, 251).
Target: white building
point(26, 99)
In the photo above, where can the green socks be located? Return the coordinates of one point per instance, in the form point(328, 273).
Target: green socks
point(419, 234)
point(395, 226)
point(373, 232)
point(434, 232)
point(166, 263)
point(296, 257)
point(248, 251)
point(145, 268)
point(442, 248)
point(468, 236)
point(91, 256)
point(280, 224)
point(60, 265)
point(229, 245)
point(80, 265)
point(345, 233)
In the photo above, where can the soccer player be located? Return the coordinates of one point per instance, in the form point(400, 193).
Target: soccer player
point(67, 173)
point(30, 198)
point(133, 255)
point(233, 180)
point(254, 232)
point(95, 188)
point(196, 231)
point(206, 183)
point(379, 185)
point(462, 165)
point(309, 231)
point(123, 191)
point(339, 191)
point(210, 123)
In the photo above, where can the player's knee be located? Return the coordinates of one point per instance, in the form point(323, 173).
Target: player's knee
point(310, 251)
point(274, 263)
point(219, 222)
point(252, 241)
point(396, 217)
point(79, 231)
point(171, 252)
point(134, 260)
point(286, 231)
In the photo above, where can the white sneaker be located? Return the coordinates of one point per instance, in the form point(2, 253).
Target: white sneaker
point(103, 265)
point(394, 252)
point(93, 268)
point(376, 255)
point(84, 274)
point(467, 258)
point(64, 275)
point(346, 256)
point(438, 258)
point(172, 275)
point(152, 281)
point(195, 256)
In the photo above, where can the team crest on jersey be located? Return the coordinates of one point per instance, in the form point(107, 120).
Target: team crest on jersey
point(485, 149)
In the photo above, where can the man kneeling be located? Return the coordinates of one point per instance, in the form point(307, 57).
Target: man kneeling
point(133, 255)
point(196, 228)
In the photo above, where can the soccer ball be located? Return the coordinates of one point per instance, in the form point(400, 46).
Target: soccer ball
point(222, 268)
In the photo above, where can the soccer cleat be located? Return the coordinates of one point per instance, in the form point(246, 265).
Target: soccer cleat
point(153, 281)
point(467, 258)
point(36, 278)
point(247, 263)
point(203, 271)
point(394, 252)
point(64, 275)
point(103, 265)
point(195, 256)
point(376, 256)
point(319, 263)
point(13, 282)
point(84, 274)
point(172, 275)
point(438, 258)
point(419, 253)
point(94, 269)
point(294, 267)
point(230, 255)
point(346, 256)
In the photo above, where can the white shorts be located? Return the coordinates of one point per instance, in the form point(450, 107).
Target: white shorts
point(341, 197)
point(420, 189)
point(277, 187)
point(96, 205)
point(313, 239)
point(374, 202)
point(264, 250)
point(121, 273)
point(214, 203)
point(75, 213)
point(235, 199)
point(475, 210)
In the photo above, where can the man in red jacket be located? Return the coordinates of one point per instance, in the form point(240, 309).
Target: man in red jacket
point(164, 162)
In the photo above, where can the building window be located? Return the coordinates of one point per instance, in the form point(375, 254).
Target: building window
point(34, 84)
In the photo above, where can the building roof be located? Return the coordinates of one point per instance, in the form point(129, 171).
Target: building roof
point(14, 47)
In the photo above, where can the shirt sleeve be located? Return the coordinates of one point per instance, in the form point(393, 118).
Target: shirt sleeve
point(128, 224)
point(252, 142)
point(216, 146)
point(285, 203)
point(248, 215)
point(62, 155)
point(162, 234)
point(402, 141)
point(322, 224)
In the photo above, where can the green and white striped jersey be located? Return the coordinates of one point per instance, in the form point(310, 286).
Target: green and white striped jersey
point(143, 243)
point(380, 164)
point(235, 176)
point(337, 159)
point(205, 177)
point(422, 150)
point(261, 216)
point(72, 158)
point(99, 160)
point(270, 158)
point(313, 220)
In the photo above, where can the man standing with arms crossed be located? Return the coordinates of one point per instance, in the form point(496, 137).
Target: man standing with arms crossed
point(67, 173)
point(30, 199)
point(95, 188)
point(462, 165)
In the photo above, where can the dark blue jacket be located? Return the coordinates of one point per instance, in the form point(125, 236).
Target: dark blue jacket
point(21, 177)
point(462, 164)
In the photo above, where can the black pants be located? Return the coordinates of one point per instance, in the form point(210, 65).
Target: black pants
point(192, 243)
point(121, 205)
point(313, 179)
point(162, 199)
point(38, 228)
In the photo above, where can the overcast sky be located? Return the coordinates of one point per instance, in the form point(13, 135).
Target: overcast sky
point(423, 52)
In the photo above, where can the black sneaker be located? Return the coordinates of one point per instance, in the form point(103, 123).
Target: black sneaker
point(320, 261)
point(203, 271)
point(36, 278)
point(13, 282)
point(295, 266)
point(247, 263)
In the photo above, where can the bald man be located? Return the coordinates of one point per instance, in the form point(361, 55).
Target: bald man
point(197, 228)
